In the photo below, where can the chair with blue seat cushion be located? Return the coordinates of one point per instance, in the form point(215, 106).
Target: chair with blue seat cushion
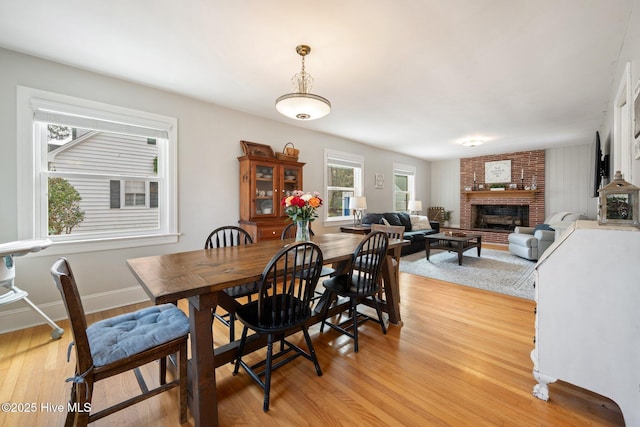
point(119, 344)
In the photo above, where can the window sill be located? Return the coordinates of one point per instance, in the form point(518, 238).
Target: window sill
point(103, 244)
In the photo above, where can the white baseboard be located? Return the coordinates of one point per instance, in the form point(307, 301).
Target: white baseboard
point(24, 316)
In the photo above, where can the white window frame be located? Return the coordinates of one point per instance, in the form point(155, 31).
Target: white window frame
point(623, 126)
point(340, 157)
point(32, 170)
point(410, 172)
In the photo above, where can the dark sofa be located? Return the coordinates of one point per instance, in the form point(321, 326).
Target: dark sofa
point(417, 237)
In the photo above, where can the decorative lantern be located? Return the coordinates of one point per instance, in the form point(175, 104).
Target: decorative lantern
point(619, 202)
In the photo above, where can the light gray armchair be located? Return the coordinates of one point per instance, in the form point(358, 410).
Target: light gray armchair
point(531, 242)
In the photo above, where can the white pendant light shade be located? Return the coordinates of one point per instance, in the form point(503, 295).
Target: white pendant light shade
point(301, 104)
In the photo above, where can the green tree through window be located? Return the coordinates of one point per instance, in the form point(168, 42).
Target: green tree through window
point(64, 206)
point(341, 185)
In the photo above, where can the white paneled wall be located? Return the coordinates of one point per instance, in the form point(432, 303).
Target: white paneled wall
point(445, 187)
point(569, 180)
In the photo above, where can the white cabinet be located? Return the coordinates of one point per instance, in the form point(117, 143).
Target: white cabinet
point(588, 314)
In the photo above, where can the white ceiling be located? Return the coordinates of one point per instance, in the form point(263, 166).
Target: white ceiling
point(412, 76)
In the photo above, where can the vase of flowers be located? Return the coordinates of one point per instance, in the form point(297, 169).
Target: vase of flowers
point(302, 231)
point(301, 208)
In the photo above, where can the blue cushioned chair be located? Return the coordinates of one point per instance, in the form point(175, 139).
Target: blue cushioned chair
point(119, 344)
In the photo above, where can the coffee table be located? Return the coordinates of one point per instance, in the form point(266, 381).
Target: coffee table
point(455, 242)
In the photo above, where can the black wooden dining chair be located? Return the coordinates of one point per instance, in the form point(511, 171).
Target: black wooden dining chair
point(361, 282)
point(119, 344)
point(231, 235)
point(283, 307)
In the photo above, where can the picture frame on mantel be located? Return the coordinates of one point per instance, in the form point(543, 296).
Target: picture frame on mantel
point(497, 172)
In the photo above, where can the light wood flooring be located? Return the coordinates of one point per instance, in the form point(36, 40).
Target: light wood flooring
point(460, 359)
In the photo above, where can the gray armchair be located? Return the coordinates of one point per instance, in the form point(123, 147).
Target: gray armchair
point(531, 242)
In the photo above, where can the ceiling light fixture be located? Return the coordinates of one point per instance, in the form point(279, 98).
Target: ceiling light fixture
point(301, 104)
point(472, 142)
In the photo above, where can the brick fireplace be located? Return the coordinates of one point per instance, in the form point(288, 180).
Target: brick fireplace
point(494, 214)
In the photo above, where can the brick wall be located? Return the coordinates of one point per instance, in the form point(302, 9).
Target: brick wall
point(531, 162)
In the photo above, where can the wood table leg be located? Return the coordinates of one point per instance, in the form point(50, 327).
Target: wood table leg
point(204, 404)
point(460, 251)
point(392, 289)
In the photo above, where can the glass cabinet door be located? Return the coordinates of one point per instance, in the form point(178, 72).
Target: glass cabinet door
point(265, 177)
point(291, 180)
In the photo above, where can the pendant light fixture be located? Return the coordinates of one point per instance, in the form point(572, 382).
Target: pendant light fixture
point(301, 104)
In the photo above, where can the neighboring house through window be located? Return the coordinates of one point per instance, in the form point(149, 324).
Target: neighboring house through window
point(114, 171)
point(404, 187)
point(343, 179)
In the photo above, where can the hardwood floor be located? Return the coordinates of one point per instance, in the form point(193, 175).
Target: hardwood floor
point(460, 359)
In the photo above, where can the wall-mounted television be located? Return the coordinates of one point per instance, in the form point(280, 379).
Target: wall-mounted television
point(601, 166)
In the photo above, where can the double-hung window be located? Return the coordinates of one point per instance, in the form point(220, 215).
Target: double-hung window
point(94, 174)
point(404, 187)
point(343, 179)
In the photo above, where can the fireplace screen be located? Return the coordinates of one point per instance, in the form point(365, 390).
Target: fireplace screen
point(499, 217)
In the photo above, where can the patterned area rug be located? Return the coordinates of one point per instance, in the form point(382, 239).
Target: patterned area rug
point(495, 270)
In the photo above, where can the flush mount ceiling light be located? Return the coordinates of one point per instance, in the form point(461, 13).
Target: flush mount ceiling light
point(472, 142)
point(301, 104)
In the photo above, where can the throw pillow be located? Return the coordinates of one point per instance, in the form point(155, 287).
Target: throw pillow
point(372, 218)
point(384, 221)
point(543, 227)
point(392, 218)
point(405, 220)
point(420, 222)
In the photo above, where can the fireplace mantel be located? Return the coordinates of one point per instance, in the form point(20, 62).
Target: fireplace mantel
point(505, 194)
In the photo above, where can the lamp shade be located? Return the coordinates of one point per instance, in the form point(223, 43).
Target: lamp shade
point(303, 106)
point(415, 205)
point(358, 203)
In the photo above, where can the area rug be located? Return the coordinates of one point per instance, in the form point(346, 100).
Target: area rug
point(495, 270)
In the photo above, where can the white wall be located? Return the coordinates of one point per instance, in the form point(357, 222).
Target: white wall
point(568, 176)
point(445, 188)
point(208, 146)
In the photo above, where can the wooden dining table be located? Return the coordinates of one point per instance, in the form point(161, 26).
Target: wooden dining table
point(200, 276)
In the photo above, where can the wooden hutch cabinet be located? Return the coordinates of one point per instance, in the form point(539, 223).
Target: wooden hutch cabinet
point(263, 184)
